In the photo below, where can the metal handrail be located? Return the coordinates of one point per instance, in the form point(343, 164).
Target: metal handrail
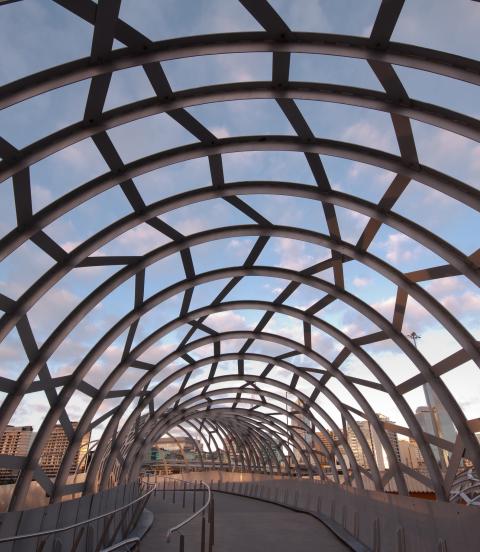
point(118, 545)
point(195, 514)
point(75, 525)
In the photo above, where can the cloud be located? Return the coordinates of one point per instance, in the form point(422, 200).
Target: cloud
point(241, 248)
point(447, 151)
point(220, 132)
point(70, 245)
point(363, 132)
point(415, 26)
point(137, 241)
point(22, 268)
point(156, 352)
point(228, 321)
point(444, 285)
point(361, 282)
point(466, 302)
point(43, 196)
point(476, 158)
point(51, 309)
point(400, 248)
point(304, 16)
point(293, 254)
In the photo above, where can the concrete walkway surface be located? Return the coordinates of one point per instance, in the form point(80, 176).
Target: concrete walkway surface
point(241, 525)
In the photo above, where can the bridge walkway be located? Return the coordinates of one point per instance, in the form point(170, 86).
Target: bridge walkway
point(241, 524)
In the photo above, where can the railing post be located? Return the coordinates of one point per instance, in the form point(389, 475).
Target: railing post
point(211, 540)
point(184, 493)
point(174, 488)
point(442, 545)
point(202, 538)
point(182, 543)
point(164, 483)
point(89, 541)
point(194, 495)
point(76, 541)
point(376, 535)
point(401, 540)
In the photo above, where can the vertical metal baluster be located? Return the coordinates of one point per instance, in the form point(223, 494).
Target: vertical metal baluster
point(194, 495)
point(211, 539)
point(202, 538)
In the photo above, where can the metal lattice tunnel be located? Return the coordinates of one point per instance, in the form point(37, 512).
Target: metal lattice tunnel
point(210, 384)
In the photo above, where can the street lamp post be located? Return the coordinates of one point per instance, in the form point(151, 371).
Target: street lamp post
point(414, 337)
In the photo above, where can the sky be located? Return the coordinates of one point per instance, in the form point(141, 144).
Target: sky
point(37, 34)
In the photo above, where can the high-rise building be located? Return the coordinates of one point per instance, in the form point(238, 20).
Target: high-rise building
point(15, 441)
point(55, 448)
point(445, 427)
point(410, 454)
point(322, 458)
point(425, 418)
point(306, 436)
point(325, 440)
point(430, 422)
point(374, 443)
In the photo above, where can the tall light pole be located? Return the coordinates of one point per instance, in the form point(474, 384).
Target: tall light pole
point(414, 337)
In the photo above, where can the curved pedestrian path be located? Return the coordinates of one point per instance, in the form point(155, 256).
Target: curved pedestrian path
point(241, 524)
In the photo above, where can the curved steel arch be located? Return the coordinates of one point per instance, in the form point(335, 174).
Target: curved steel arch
point(318, 409)
point(141, 383)
point(279, 272)
point(305, 233)
point(343, 248)
point(333, 93)
point(436, 180)
point(272, 271)
point(283, 364)
point(315, 43)
point(292, 414)
point(381, 54)
point(299, 348)
point(286, 429)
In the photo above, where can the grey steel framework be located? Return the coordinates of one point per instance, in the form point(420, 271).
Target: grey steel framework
point(242, 419)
